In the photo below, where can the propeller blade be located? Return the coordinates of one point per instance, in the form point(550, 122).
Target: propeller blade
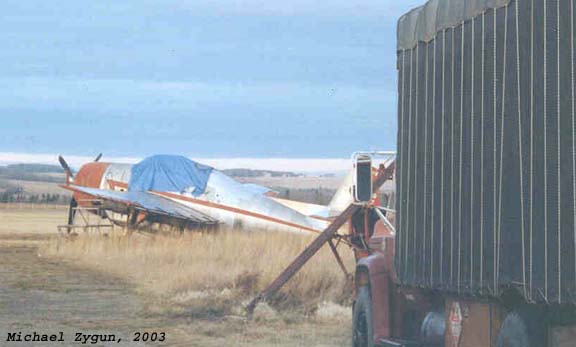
point(98, 157)
point(65, 166)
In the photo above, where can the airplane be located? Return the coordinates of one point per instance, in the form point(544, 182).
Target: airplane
point(177, 191)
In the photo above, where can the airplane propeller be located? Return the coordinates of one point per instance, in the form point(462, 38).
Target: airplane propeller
point(65, 166)
point(73, 203)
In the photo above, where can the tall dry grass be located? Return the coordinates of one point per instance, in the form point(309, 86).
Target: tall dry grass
point(208, 274)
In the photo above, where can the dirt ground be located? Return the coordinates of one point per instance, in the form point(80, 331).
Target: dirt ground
point(38, 294)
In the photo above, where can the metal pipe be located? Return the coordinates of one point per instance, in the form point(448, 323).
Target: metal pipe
point(385, 220)
point(387, 209)
point(374, 153)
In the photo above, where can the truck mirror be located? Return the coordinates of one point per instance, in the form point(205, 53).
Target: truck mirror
point(363, 178)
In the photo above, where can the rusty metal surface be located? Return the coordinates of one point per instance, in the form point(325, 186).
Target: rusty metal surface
point(480, 322)
point(90, 175)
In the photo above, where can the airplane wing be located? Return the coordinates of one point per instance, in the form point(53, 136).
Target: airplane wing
point(152, 206)
point(258, 189)
point(307, 209)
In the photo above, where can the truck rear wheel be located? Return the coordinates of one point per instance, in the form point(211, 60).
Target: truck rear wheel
point(363, 329)
point(525, 327)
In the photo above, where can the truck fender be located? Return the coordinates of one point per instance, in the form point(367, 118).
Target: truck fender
point(371, 271)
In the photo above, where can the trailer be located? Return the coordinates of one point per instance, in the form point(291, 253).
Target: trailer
point(483, 252)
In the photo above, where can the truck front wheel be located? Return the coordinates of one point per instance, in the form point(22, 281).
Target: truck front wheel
point(525, 327)
point(363, 329)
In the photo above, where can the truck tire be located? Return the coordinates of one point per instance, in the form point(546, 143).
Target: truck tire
point(362, 325)
point(433, 328)
point(525, 327)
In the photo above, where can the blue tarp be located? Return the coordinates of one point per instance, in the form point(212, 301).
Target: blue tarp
point(169, 173)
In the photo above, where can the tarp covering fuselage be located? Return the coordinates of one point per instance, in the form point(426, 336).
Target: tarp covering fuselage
point(169, 173)
point(422, 23)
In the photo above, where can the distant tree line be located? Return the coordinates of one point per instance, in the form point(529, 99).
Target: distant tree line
point(13, 193)
point(36, 168)
point(31, 177)
point(258, 173)
point(10, 196)
point(31, 172)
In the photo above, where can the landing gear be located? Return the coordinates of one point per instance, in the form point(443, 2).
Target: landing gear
point(72, 211)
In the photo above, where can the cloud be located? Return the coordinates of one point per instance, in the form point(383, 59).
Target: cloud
point(235, 78)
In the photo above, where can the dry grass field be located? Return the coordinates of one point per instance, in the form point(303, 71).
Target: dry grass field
point(19, 222)
point(210, 274)
point(194, 287)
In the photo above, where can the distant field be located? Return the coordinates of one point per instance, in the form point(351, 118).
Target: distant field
point(22, 220)
point(29, 206)
point(35, 187)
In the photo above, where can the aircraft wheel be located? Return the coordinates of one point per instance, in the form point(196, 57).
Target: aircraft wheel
point(362, 325)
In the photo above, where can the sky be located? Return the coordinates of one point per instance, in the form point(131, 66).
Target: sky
point(204, 78)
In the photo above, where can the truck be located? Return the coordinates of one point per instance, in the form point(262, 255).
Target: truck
point(483, 248)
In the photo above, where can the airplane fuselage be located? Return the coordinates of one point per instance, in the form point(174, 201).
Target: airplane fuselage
point(232, 203)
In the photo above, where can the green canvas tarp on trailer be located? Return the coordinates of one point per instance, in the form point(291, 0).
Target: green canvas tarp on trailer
point(486, 141)
point(424, 22)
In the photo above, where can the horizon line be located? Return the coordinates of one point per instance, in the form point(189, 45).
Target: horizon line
point(271, 163)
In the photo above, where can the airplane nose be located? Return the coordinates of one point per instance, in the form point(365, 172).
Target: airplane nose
point(91, 174)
